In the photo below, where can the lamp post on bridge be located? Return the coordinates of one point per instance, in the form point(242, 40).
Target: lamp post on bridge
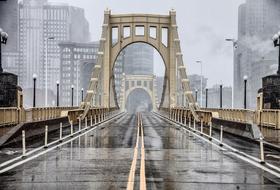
point(196, 95)
point(34, 90)
point(276, 41)
point(200, 82)
point(82, 94)
point(3, 40)
point(72, 95)
point(206, 98)
point(245, 91)
point(57, 93)
point(234, 45)
point(221, 96)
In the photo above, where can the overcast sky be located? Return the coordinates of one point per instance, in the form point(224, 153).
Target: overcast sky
point(203, 26)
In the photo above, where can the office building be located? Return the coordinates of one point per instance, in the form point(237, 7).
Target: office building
point(42, 26)
point(138, 59)
point(255, 56)
point(9, 23)
point(76, 64)
point(195, 85)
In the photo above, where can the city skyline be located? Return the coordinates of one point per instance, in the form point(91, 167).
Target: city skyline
point(202, 32)
point(121, 94)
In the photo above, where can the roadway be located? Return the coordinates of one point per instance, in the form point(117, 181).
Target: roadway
point(107, 157)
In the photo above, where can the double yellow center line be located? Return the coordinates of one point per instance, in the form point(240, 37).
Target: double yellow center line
point(131, 177)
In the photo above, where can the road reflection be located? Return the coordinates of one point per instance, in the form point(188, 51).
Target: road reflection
point(101, 159)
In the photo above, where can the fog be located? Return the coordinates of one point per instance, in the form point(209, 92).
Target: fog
point(203, 27)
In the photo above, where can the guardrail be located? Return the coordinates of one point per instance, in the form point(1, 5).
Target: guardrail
point(96, 114)
point(265, 117)
point(183, 115)
point(13, 115)
point(39, 114)
point(238, 115)
point(269, 118)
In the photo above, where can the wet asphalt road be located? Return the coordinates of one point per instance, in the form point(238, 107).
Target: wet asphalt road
point(102, 158)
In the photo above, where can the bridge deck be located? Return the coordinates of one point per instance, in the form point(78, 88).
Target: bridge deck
point(102, 159)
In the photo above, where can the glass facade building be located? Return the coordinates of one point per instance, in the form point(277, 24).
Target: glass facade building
point(42, 26)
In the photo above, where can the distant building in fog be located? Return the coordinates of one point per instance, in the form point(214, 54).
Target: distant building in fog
point(135, 59)
point(214, 97)
point(255, 56)
point(38, 21)
point(9, 23)
point(159, 85)
point(118, 73)
point(195, 85)
point(139, 59)
point(76, 65)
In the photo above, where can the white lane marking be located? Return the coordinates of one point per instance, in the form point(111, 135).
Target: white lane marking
point(233, 153)
point(54, 147)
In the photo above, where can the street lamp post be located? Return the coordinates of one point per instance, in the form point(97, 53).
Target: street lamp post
point(206, 96)
point(3, 40)
point(46, 71)
point(276, 41)
point(245, 91)
point(195, 95)
point(34, 90)
point(57, 93)
point(234, 45)
point(200, 81)
point(82, 93)
point(221, 96)
point(72, 95)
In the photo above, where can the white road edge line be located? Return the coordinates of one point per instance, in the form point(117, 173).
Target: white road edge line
point(233, 153)
point(54, 147)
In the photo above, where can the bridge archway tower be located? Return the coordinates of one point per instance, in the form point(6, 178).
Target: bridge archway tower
point(119, 31)
point(144, 82)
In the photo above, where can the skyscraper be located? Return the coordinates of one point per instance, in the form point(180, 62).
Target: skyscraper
point(42, 26)
point(255, 55)
point(135, 59)
point(9, 23)
point(77, 61)
point(138, 59)
point(118, 73)
point(195, 84)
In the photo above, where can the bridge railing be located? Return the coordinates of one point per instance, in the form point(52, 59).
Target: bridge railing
point(268, 118)
point(265, 117)
point(39, 114)
point(183, 115)
point(13, 115)
point(236, 115)
point(96, 113)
